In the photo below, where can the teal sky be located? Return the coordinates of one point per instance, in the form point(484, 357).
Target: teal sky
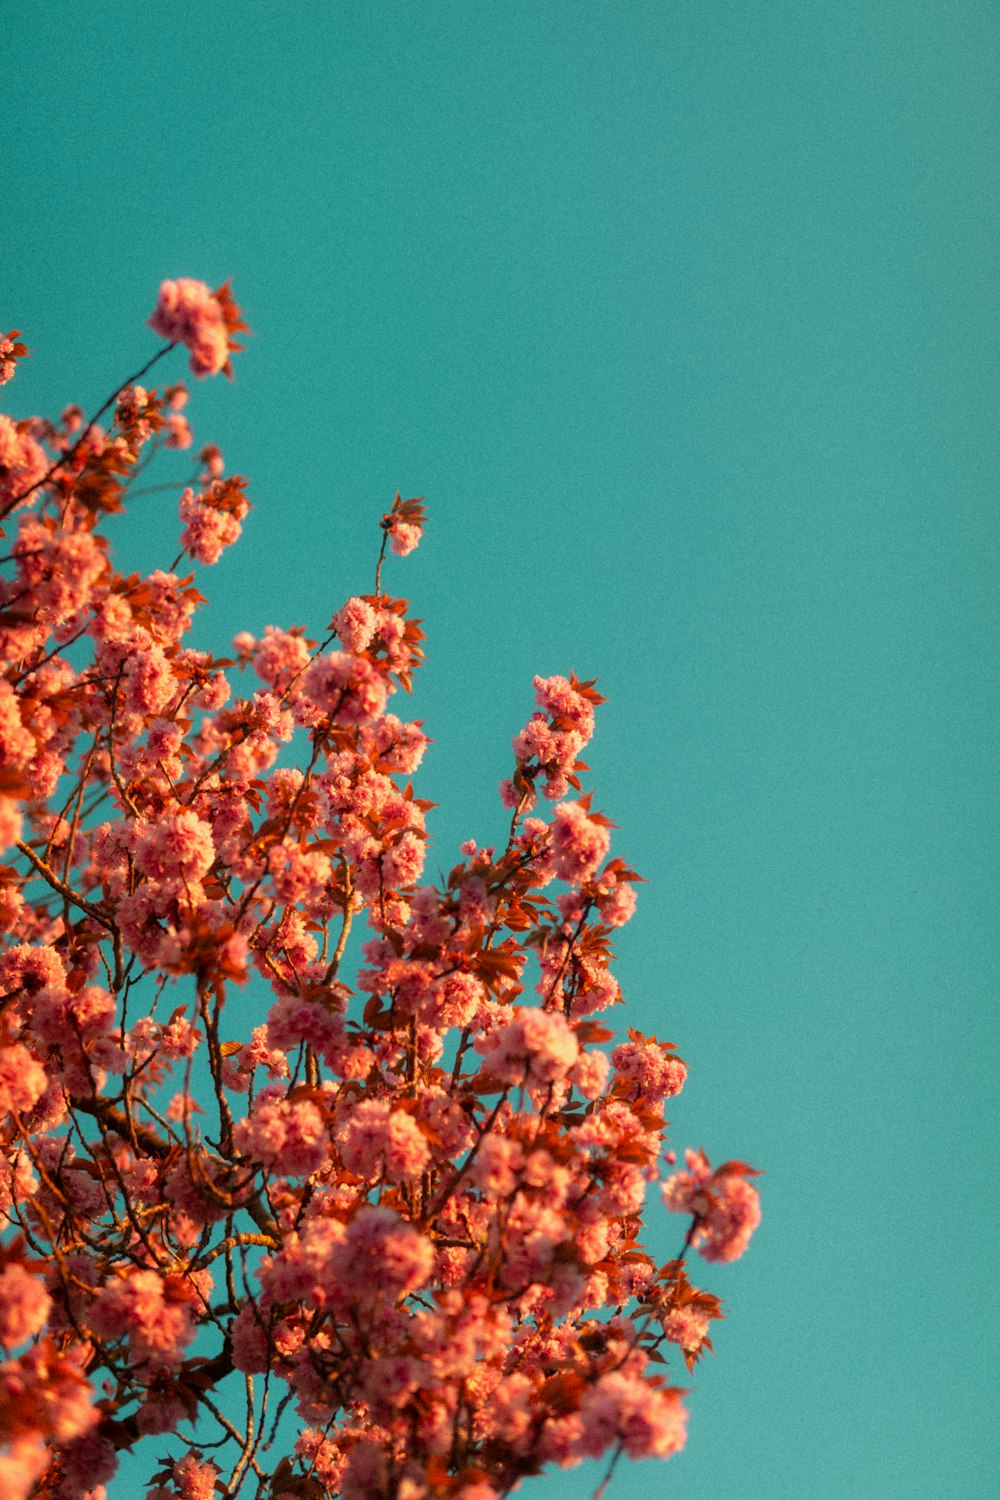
point(683, 317)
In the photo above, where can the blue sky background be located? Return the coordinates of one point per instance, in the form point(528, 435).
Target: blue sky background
point(683, 317)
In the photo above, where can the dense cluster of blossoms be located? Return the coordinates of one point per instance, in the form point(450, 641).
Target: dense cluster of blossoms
point(186, 312)
point(413, 1208)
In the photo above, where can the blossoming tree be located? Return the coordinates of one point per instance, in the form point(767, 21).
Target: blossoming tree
point(388, 1245)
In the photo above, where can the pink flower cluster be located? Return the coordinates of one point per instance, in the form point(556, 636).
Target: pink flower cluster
point(22, 461)
point(580, 841)
point(191, 1478)
point(24, 1304)
point(212, 519)
point(154, 1313)
point(377, 1141)
point(534, 1046)
point(188, 313)
point(46, 1403)
point(550, 743)
point(286, 1135)
point(648, 1069)
point(404, 524)
point(346, 689)
point(11, 350)
point(413, 1201)
point(725, 1205)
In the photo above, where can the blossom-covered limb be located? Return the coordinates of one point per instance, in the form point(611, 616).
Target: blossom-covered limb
point(413, 1203)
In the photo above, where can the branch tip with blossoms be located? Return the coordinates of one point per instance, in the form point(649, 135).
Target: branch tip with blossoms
point(402, 527)
point(11, 350)
point(414, 1205)
point(205, 322)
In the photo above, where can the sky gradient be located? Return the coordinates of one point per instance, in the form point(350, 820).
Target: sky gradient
point(683, 318)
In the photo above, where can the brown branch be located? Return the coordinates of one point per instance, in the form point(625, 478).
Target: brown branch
point(267, 1240)
point(68, 894)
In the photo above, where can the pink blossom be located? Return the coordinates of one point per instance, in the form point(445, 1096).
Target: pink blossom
point(195, 1477)
point(579, 842)
point(554, 737)
point(178, 431)
point(687, 1327)
point(24, 1304)
point(25, 1459)
point(496, 1167)
point(86, 1461)
point(649, 1069)
point(22, 1079)
point(401, 864)
point(593, 1237)
point(558, 698)
point(132, 416)
point(251, 1342)
point(148, 682)
point(403, 538)
point(256, 1053)
point(159, 1413)
point(299, 875)
point(347, 688)
point(175, 850)
point(210, 526)
point(355, 624)
point(84, 1014)
point(377, 1139)
point(589, 1074)
point(22, 459)
point(381, 1253)
point(615, 896)
point(279, 656)
point(456, 1000)
point(61, 569)
point(179, 1038)
point(538, 740)
point(364, 1474)
point(137, 1306)
point(44, 1392)
point(535, 1045)
point(404, 524)
point(31, 968)
point(620, 1407)
point(188, 313)
point(11, 350)
point(725, 1204)
point(399, 747)
point(11, 823)
point(286, 1135)
point(293, 1020)
point(211, 457)
point(734, 1216)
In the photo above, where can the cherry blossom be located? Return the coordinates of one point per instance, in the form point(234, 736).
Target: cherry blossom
point(187, 312)
point(289, 1125)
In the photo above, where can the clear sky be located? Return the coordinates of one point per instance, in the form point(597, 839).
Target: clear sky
point(682, 314)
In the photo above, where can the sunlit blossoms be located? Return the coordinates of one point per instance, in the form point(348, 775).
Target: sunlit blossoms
point(11, 350)
point(280, 1230)
point(725, 1205)
point(187, 312)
